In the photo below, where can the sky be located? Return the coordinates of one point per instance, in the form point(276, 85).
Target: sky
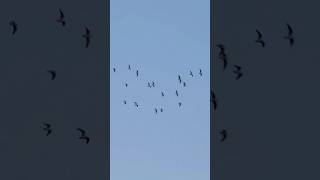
point(160, 39)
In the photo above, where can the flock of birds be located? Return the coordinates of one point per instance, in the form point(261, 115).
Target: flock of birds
point(87, 36)
point(152, 84)
point(238, 69)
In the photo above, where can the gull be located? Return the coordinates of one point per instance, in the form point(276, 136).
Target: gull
point(259, 39)
point(87, 36)
point(14, 26)
point(289, 36)
point(238, 71)
point(224, 135)
point(61, 18)
point(53, 74)
point(47, 128)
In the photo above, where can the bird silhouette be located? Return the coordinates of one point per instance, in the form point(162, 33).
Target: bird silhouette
point(136, 104)
point(129, 67)
point(83, 132)
point(114, 69)
point(200, 72)
point(191, 74)
point(184, 84)
point(153, 85)
point(179, 77)
point(179, 104)
point(137, 73)
point(126, 85)
point(87, 36)
point(238, 72)
point(125, 102)
point(162, 94)
point(14, 26)
point(222, 55)
point(149, 85)
point(213, 100)
point(47, 128)
point(61, 18)
point(177, 93)
point(156, 110)
point(224, 135)
point(53, 74)
point(259, 39)
point(289, 36)
point(83, 135)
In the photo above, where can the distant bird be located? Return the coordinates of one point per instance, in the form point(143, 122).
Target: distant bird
point(221, 47)
point(47, 128)
point(184, 84)
point(114, 69)
point(223, 56)
point(289, 36)
point(259, 39)
point(61, 18)
point(137, 73)
point(125, 102)
point(87, 36)
point(136, 104)
point(162, 94)
point(191, 74)
point(179, 77)
point(161, 110)
point(238, 72)
point(200, 72)
point(129, 67)
point(156, 110)
point(149, 85)
point(213, 100)
point(53, 74)
point(179, 104)
point(83, 135)
point(126, 85)
point(14, 26)
point(224, 135)
point(153, 85)
point(177, 93)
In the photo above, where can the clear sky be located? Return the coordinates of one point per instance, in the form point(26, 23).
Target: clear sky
point(161, 39)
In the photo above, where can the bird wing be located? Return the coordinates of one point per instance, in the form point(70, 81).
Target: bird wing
point(61, 14)
point(259, 34)
point(289, 28)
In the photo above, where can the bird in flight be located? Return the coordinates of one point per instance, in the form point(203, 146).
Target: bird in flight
point(162, 94)
point(61, 18)
point(47, 128)
point(213, 100)
point(125, 102)
point(224, 135)
point(200, 72)
point(87, 36)
point(177, 93)
point(129, 67)
point(179, 104)
point(136, 104)
point(191, 74)
point(114, 69)
point(14, 26)
point(137, 73)
point(238, 71)
point(259, 39)
point(179, 77)
point(53, 74)
point(223, 56)
point(156, 110)
point(83, 135)
point(289, 36)
point(126, 85)
point(149, 85)
point(153, 85)
point(184, 84)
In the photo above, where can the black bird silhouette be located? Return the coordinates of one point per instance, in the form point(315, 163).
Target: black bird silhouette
point(137, 73)
point(83, 135)
point(153, 84)
point(238, 72)
point(179, 77)
point(180, 104)
point(191, 74)
point(177, 93)
point(61, 18)
point(83, 132)
point(224, 135)
point(156, 110)
point(184, 84)
point(125, 102)
point(129, 67)
point(114, 69)
point(162, 94)
point(149, 85)
point(47, 128)
point(289, 36)
point(200, 72)
point(53, 74)
point(213, 100)
point(14, 26)
point(259, 39)
point(223, 56)
point(126, 85)
point(136, 104)
point(87, 36)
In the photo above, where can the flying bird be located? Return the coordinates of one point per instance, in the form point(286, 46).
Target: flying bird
point(129, 67)
point(83, 135)
point(61, 18)
point(83, 132)
point(87, 36)
point(177, 93)
point(137, 73)
point(53, 74)
point(156, 110)
point(47, 128)
point(184, 84)
point(136, 104)
point(213, 100)
point(221, 47)
point(114, 69)
point(149, 85)
point(238, 71)
point(125, 102)
point(180, 104)
point(224, 135)
point(289, 36)
point(86, 138)
point(259, 39)
point(162, 94)
point(191, 74)
point(14, 26)
point(126, 85)
point(200, 72)
point(153, 85)
point(179, 77)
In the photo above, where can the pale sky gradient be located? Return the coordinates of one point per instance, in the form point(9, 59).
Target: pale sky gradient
point(161, 39)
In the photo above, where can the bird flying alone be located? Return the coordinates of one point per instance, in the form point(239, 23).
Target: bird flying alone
point(14, 26)
point(137, 73)
point(179, 77)
point(87, 36)
point(61, 18)
point(179, 104)
point(224, 135)
point(191, 74)
point(129, 67)
point(200, 72)
point(47, 128)
point(289, 36)
point(162, 94)
point(114, 69)
point(238, 72)
point(177, 93)
point(83, 135)
point(53, 74)
point(259, 39)
point(213, 100)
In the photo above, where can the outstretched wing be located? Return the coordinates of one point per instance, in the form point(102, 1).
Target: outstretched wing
point(289, 29)
point(61, 14)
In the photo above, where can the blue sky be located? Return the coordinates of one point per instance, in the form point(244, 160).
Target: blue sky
point(161, 39)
